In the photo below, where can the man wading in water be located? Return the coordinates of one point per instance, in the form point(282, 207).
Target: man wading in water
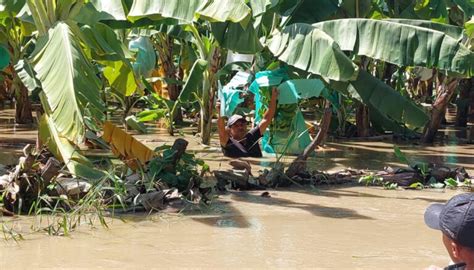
point(234, 138)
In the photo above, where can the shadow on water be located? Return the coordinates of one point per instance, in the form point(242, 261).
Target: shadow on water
point(338, 193)
point(315, 209)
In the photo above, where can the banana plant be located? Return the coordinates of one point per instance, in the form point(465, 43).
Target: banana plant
point(300, 45)
point(16, 36)
point(62, 65)
point(208, 50)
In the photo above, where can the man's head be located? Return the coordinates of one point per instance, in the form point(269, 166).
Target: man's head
point(455, 220)
point(237, 126)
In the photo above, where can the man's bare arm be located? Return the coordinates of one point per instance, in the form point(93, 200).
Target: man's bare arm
point(270, 113)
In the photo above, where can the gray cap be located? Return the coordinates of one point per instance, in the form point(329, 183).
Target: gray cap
point(234, 119)
point(455, 218)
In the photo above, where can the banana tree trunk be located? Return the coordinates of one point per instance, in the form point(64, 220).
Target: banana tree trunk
point(22, 102)
point(362, 121)
point(206, 110)
point(299, 164)
point(445, 92)
point(164, 46)
point(463, 103)
point(208, 96)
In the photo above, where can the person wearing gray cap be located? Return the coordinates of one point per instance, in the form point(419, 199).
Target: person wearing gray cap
point(455, 220)
point(234, 138)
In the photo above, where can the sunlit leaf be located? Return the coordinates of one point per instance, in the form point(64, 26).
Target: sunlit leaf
point(312, 50)
point(63, 150)
point(69, 81)
point(400, 44)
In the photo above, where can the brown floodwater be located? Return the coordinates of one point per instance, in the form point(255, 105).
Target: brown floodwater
point(343, 226)
point(338, 227)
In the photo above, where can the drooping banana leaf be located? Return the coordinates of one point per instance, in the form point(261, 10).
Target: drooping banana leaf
point(101, 11)
point(158, 9)
point(381, 123)
point(110, 9)
point(103, 43)
point(27, 75)
point(194, 81)
point(400, 44)
point(188, 10)
point(307, 11)
point(125, 145)
point(450, 30)
point(121, 77)
point(69, 81)
point(63, 150)
point(261, 6)
point(234, 37)
point(312, 50)
point(224, 10)
point(356, 8)
point(292, 90)
point(387, 101)
point(104, 46)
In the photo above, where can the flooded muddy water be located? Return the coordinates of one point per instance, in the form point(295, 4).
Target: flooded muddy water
point(340, 228)
point(331, 227)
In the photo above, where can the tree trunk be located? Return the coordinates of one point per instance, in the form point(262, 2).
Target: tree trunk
point(362, 121)
point(208, 96)
point(445, 92)
point(463, 103)
point(299, 164)
point(22, 104)
point(164, 46)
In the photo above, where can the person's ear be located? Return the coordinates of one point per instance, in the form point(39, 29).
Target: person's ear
point(456, 249)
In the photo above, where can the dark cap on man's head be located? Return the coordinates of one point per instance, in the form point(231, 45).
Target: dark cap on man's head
point(234, 119)
point(454, 218)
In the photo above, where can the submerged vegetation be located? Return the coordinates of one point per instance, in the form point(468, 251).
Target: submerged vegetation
point(93, 70)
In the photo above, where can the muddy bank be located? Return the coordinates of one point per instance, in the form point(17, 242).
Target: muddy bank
point(343, 227)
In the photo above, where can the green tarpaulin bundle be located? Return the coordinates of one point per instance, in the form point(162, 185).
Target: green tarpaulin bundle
point(288, 132)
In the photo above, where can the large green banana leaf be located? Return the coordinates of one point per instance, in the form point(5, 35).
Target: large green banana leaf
point(27, 75)
point(63, 150)
point(400, 44)
point(103, 43)
point(194, 81)
point(387, 101)
point(356, 8)
point(261, 6)
point(189, 10)
point(110, 9)
point(121, 77)
point(234, 37)
point(453, 31)
point(100, 10)
point(312, 50)
point(104, 46)
point(69, 81)
point(307, 11)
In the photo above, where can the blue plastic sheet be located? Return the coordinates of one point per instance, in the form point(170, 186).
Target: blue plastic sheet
point(146, 56)
point(230, 99)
